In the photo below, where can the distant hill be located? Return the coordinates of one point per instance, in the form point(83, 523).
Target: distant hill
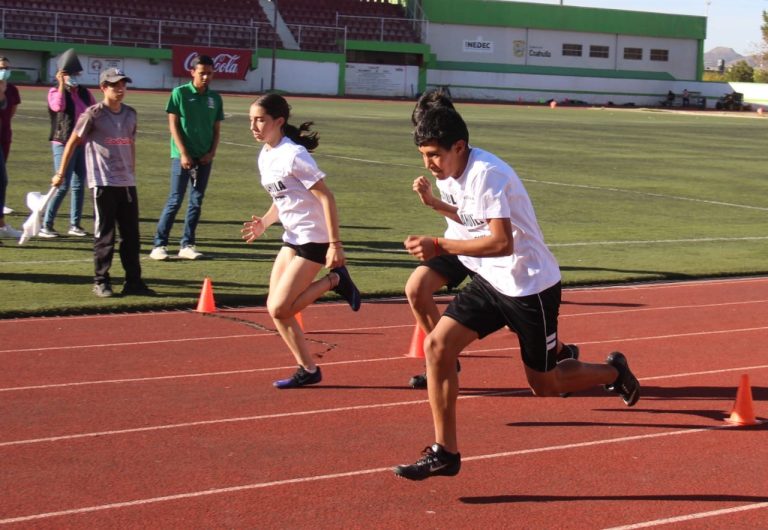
point(729, 55)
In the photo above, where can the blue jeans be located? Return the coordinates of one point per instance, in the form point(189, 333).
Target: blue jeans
point(3, 184)
point(179, 180)
point(74, 177)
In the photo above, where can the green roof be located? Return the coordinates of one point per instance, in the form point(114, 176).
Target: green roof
point(564, 18)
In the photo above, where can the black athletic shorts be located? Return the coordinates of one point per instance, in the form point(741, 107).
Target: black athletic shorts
point(449, 267)
point(312, 251)
point(481, 308)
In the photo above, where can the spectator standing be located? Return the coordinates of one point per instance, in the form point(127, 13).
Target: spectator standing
point(107, 131)
point(6, 230)
point(195, 113)
point(66, 102)
point(12, 99)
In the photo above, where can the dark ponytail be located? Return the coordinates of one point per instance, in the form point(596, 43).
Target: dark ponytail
point(277, 107)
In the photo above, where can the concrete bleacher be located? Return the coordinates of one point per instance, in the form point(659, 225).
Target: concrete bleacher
point(317, 25)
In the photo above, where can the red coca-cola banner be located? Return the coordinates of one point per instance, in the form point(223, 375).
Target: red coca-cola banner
point(228, 63)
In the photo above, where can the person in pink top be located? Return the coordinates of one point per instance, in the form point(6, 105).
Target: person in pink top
point(66, 102)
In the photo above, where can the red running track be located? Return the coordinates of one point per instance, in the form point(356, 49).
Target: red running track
point(169, 420)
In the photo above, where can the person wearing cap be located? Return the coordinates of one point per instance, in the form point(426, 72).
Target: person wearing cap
point(195, 113)
point(107, 133)
point(66, 102)
point(9, 99)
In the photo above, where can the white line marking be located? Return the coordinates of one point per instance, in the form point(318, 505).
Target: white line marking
point(692, 516)
point(323, 411)
point(374, 328)
point(658, 241)
point(648, 194)
point(357, 473)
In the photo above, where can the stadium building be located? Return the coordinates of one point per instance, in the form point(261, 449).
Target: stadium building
point(480, 49)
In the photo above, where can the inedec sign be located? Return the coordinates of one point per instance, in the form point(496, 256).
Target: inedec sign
point(228, 63)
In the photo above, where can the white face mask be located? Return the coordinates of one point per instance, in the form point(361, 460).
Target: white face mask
point(5, 74)
point(72, 81)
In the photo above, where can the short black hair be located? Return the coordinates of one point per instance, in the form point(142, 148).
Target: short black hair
point(440, 124)
point(205, 60)
point(437, 97)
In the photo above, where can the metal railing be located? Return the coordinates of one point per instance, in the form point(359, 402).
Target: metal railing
point(56, 26)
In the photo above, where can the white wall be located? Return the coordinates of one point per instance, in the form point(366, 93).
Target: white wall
point(382, 80)
point(534, 47)
point(595, 91)
point(304, 77)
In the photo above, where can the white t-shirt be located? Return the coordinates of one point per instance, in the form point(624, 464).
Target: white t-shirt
point(490, 189)
point(288, 171)
point(449, 193)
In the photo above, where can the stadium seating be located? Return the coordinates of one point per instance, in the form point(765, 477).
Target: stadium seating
point(317, 25)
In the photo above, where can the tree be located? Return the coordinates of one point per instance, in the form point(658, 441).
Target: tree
point(741, 72)
point(764, 29)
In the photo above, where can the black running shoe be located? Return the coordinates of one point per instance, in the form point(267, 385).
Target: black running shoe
point(435, 461)
point(420, 381)
point(346, 288)
point(626, 385)
point(299, 379)
point(569, 351)
point(137, 289)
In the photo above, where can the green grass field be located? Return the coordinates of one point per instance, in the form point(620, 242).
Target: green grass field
point(622, 195)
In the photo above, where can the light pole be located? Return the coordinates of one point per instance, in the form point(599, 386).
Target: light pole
point(274, 44)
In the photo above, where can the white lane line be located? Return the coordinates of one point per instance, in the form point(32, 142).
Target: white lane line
point(356, 361)
point(357, 473)
point(647, 194)
point(376, 328)
point(325, 411)
point(692, 516)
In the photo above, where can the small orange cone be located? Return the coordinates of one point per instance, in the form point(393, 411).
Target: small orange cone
point(743, 412)
point(417, 343)
point(299, 320)
point(206, 303)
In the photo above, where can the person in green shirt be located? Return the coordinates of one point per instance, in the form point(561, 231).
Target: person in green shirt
point(195, 113)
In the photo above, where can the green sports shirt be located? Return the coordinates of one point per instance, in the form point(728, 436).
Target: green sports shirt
point(197, 114)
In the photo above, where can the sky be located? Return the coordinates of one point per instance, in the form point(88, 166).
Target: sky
point(730, 23)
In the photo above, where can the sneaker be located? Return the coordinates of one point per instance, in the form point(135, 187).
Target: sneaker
point(626, 385)
point(569, 351)
point(420, 381)
point(75, 230)
point(159, 253)
point(434, 461)
point(48, 232)
point(138, 289)
point(8, 232)
point(190, 253)
point(7, 210)
point(346, 288)
point(300, 378)
point(102, 290)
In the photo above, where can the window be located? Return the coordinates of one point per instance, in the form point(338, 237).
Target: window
point(572, 50)
point(633, 54)
point(660, 55)
point(600, 52)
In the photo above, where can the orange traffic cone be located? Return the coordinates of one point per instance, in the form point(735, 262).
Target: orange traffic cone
point(417, 343)
point(299, 320)
point(206, 303)
point(743, 413)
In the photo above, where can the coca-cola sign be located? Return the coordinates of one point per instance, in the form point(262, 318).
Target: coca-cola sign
point(228, 63)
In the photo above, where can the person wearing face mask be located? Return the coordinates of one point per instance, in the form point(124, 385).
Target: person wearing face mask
point(9, 100)
point(66, 101)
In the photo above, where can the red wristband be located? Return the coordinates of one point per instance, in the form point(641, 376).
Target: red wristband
point(438, 250)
